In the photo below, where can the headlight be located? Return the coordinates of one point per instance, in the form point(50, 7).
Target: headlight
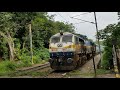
point(69, 60)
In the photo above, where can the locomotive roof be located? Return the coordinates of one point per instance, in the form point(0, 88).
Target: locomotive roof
point(64, 33)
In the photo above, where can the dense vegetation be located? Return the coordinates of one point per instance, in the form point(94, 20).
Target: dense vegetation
point(14, 36)
point(110, 35)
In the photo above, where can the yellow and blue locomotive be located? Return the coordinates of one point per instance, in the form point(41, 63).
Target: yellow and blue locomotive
point(90, 48)
point(67, 51)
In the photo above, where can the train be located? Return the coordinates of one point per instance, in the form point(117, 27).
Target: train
point(68, 51)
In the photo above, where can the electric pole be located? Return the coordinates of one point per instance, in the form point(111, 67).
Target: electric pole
point(97, 36)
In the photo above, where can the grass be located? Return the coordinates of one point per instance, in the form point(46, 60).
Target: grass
point(103, 71)
point(9, 67)
point(78, 73)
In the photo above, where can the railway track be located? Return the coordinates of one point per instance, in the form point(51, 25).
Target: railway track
point(31, 69)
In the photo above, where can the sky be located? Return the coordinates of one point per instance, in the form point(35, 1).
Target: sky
point(86, 28)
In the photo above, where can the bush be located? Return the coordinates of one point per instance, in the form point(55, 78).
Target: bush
point(42, 54)
point(6, 66)
point(25, 61)
point(38, 56)
point(107, 58)
point(11, 66)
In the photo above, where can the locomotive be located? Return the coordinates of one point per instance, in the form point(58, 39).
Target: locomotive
point(90, 48)
point(68, 51)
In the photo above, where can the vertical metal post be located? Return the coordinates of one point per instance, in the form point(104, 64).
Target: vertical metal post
point(94, 64)
point(97, 35)
point(30, 35)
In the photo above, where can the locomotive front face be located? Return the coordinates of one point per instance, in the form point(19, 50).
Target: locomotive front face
point(61, 44)
point(61, 50)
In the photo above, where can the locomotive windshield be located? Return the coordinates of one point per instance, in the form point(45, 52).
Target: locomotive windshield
point(55, 39)
point(67, 38)
point(87, 43)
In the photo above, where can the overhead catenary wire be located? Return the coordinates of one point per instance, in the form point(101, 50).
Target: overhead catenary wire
point(83, 20)
point(80, 19)
point(81, 14)
point(74, 20)
point(79, 22)
point(62, 16)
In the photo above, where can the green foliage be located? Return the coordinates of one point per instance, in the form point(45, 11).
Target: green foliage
point(24, 57)
point(6, 66)
point(102, 71)
point(108, 35)
point(107, 58)
point(3, 49)
point(39, 55)
point(14, 26)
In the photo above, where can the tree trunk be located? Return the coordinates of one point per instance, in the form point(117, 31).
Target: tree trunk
point(24, 42)
point(10, 42)
point(11, 54)
point(11, 47)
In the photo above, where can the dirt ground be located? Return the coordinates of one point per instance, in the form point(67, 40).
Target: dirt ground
point(87, 70)
point(88, 67)
point(106, 76)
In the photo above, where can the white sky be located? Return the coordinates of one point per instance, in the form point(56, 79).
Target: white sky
point(88, 29)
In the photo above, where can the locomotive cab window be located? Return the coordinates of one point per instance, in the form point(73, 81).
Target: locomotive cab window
point(87, 43)
point(76, 40)
point(81, 41)
point(55, 39)
point(67, 38)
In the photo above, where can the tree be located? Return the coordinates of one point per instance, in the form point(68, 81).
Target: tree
point(14, 31)
point(7, 31)
point(110, 33)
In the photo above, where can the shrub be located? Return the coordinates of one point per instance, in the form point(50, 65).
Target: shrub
point(42, 54)
point(6, 66)
point(107, 58)
point(38, 56)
